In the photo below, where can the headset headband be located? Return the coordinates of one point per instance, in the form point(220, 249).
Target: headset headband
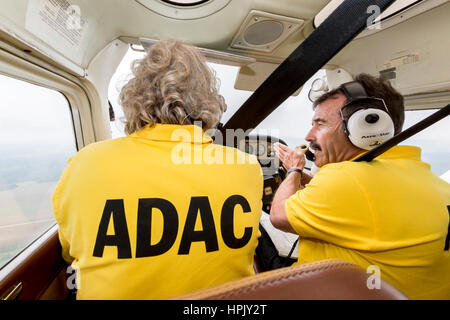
point(355, 92)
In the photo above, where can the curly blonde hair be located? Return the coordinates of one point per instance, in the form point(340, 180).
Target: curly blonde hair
point(171, 85)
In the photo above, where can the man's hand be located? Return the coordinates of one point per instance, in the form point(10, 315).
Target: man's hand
point(290, 158)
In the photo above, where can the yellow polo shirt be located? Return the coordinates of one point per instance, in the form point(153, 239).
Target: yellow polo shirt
point(159, 213)
point(390, 212)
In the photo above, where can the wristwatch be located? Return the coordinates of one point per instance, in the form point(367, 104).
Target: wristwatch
point(294, 170)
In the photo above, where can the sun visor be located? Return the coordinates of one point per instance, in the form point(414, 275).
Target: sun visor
point(250, 77)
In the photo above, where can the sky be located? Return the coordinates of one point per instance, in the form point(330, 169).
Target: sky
point(292, 120)
point(30, 115)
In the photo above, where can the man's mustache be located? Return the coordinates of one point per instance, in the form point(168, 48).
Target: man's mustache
point(314, 145)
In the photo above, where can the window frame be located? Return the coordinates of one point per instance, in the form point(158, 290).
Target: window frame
point(22, 66)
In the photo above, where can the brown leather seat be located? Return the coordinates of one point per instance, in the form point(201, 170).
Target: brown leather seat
point(327, 279)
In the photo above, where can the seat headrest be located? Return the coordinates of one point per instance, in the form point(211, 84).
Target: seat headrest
point(327, 280)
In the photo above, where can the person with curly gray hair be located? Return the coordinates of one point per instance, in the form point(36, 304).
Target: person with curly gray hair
point(136, 223)
point(172, 85)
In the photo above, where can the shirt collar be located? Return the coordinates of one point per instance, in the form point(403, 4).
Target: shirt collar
point(399, 152)
point(173, 133)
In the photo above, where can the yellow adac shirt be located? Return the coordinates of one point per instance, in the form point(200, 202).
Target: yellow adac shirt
point(159, 213)
point(390, 212)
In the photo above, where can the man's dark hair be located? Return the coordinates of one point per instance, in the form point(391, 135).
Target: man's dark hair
point(377, 88)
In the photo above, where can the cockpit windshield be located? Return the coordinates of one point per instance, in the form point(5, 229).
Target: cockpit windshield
point(291, 121)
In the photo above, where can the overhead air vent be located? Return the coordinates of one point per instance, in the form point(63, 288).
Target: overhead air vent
point(184, 9)
point(262, 31)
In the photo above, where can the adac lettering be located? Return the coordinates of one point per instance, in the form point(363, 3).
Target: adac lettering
point(198, 207)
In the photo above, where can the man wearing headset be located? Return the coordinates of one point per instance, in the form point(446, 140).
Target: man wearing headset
point(391, 213)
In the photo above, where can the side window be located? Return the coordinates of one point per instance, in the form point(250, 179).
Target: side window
point(118, 80)
point(434, 140)
point(36, 140)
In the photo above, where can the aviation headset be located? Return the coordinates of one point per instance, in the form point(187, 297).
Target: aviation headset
point(369, 125)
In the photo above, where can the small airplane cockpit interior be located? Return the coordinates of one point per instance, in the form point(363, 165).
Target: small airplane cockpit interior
point(309, 213)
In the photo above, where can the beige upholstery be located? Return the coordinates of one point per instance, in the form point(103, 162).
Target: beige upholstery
point(327, 279)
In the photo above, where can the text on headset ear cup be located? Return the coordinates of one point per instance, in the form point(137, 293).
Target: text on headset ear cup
point(368, 128)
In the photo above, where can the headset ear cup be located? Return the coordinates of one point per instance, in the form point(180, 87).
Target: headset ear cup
point(368, 128)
